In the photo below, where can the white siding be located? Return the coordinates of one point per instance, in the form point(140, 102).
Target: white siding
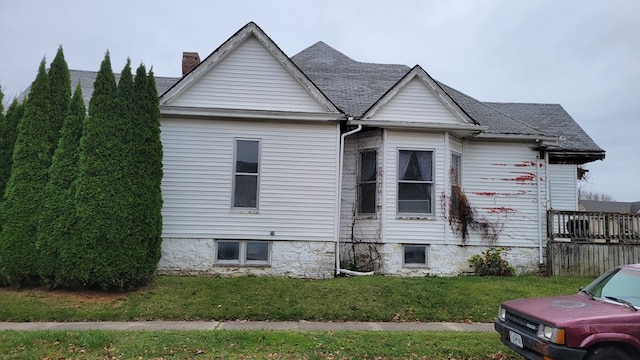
point(363, 227)
point(249, 78)
point(563, 191)
point(416, 103)
point(420, 231)
point(499, 180)
point(297, 180)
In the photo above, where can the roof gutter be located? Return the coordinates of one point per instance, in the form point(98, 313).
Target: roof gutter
point(339, 205)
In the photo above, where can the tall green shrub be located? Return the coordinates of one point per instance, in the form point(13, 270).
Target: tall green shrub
point(147, 160)
point(57, 235)
point(8, 132)
point(98, 195)
point(60, 87)
point(22, 206)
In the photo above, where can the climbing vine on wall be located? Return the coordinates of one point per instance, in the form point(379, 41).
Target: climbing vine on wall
point(463, 217)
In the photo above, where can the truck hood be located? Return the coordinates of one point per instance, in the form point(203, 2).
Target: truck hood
point(572, 310)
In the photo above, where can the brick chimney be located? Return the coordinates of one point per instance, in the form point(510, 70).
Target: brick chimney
point(189, 61)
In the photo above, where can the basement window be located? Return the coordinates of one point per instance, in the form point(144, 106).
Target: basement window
point(243, 252)
point(415, 255)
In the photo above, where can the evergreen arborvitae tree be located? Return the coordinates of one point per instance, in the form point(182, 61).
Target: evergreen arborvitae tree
point(23, 196)
point(60, 87)
point(8, 131)
point(102, 200)
point(57, 238)
point(147, 161)
point(4, 159)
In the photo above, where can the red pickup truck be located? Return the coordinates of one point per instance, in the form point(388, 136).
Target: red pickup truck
point(601, 322)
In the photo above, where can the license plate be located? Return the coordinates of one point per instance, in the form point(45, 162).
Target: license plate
point(515, 339)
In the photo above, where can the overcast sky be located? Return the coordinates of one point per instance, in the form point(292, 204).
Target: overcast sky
point(582, 54)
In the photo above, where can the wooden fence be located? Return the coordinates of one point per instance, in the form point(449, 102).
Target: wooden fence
point(588, 259)
point(589, 243)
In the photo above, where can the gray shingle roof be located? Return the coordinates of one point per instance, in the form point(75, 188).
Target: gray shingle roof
point(611, 206)
point(355, 86)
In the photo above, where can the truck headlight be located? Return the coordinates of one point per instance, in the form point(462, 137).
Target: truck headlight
point(502, 313)
point(550, 333)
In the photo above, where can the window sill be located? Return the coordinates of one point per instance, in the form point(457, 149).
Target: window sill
point(245, 211)
point(253, 265)
point(367, 217)
point(415, 266)
point(415, 217)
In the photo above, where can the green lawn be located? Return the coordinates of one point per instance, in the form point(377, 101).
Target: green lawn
point(373, 298)
point(250, 345)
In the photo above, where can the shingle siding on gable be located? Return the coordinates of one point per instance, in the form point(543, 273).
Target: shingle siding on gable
point(249, 78)
point(416, 103)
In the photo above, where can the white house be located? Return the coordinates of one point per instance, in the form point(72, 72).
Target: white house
point(317, 164)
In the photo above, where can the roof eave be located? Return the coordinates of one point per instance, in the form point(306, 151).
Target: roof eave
point(463, 130)
point(232, 114)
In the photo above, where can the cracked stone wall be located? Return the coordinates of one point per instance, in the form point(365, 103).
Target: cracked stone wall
point(297, 259)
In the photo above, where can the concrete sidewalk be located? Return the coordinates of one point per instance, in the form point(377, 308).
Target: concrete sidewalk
point(247, 325)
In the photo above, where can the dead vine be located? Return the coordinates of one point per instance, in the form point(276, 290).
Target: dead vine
point(463, 217)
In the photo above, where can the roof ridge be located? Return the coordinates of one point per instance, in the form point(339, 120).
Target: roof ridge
point(520, 103)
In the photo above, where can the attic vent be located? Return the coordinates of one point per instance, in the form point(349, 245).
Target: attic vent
point(189, 61)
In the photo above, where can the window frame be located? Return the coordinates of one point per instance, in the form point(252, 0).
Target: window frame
point(415, 265)
point(236, 173)
point(242, 253)
point(362, 183)
point(431, 184)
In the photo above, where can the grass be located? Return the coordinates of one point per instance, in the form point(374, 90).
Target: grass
point(374, 298)
point(250, 345)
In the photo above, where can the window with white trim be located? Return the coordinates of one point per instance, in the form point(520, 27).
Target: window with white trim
point(456, 180)
point(367, 182)
point(415, 255)
point(243, 252)
point(246, 174)
point(415, 182)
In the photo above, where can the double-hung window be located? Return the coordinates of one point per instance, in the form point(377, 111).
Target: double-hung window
point(246, 174)
point(456, 180)
point(415, 182)
point(367, 183)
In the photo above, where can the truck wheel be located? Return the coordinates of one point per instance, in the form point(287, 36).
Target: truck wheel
point(608, 353)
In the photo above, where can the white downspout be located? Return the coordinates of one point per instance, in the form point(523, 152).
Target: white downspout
point(539, 195)
point(339, 202)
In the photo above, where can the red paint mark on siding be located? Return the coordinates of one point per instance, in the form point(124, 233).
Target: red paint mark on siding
point(525, 164)
point(500, 209)
point(502, 194)
point(527, 177)
point(485, 193)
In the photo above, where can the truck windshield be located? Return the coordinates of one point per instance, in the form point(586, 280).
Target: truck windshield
point(621, 284)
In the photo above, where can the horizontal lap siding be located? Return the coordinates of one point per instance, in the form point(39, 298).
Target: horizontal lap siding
point(249, 78)
point(499, 180)
point(416, 103)
point(297, 180)
point(563, 190)
point(422, 231)
point(363, 228)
